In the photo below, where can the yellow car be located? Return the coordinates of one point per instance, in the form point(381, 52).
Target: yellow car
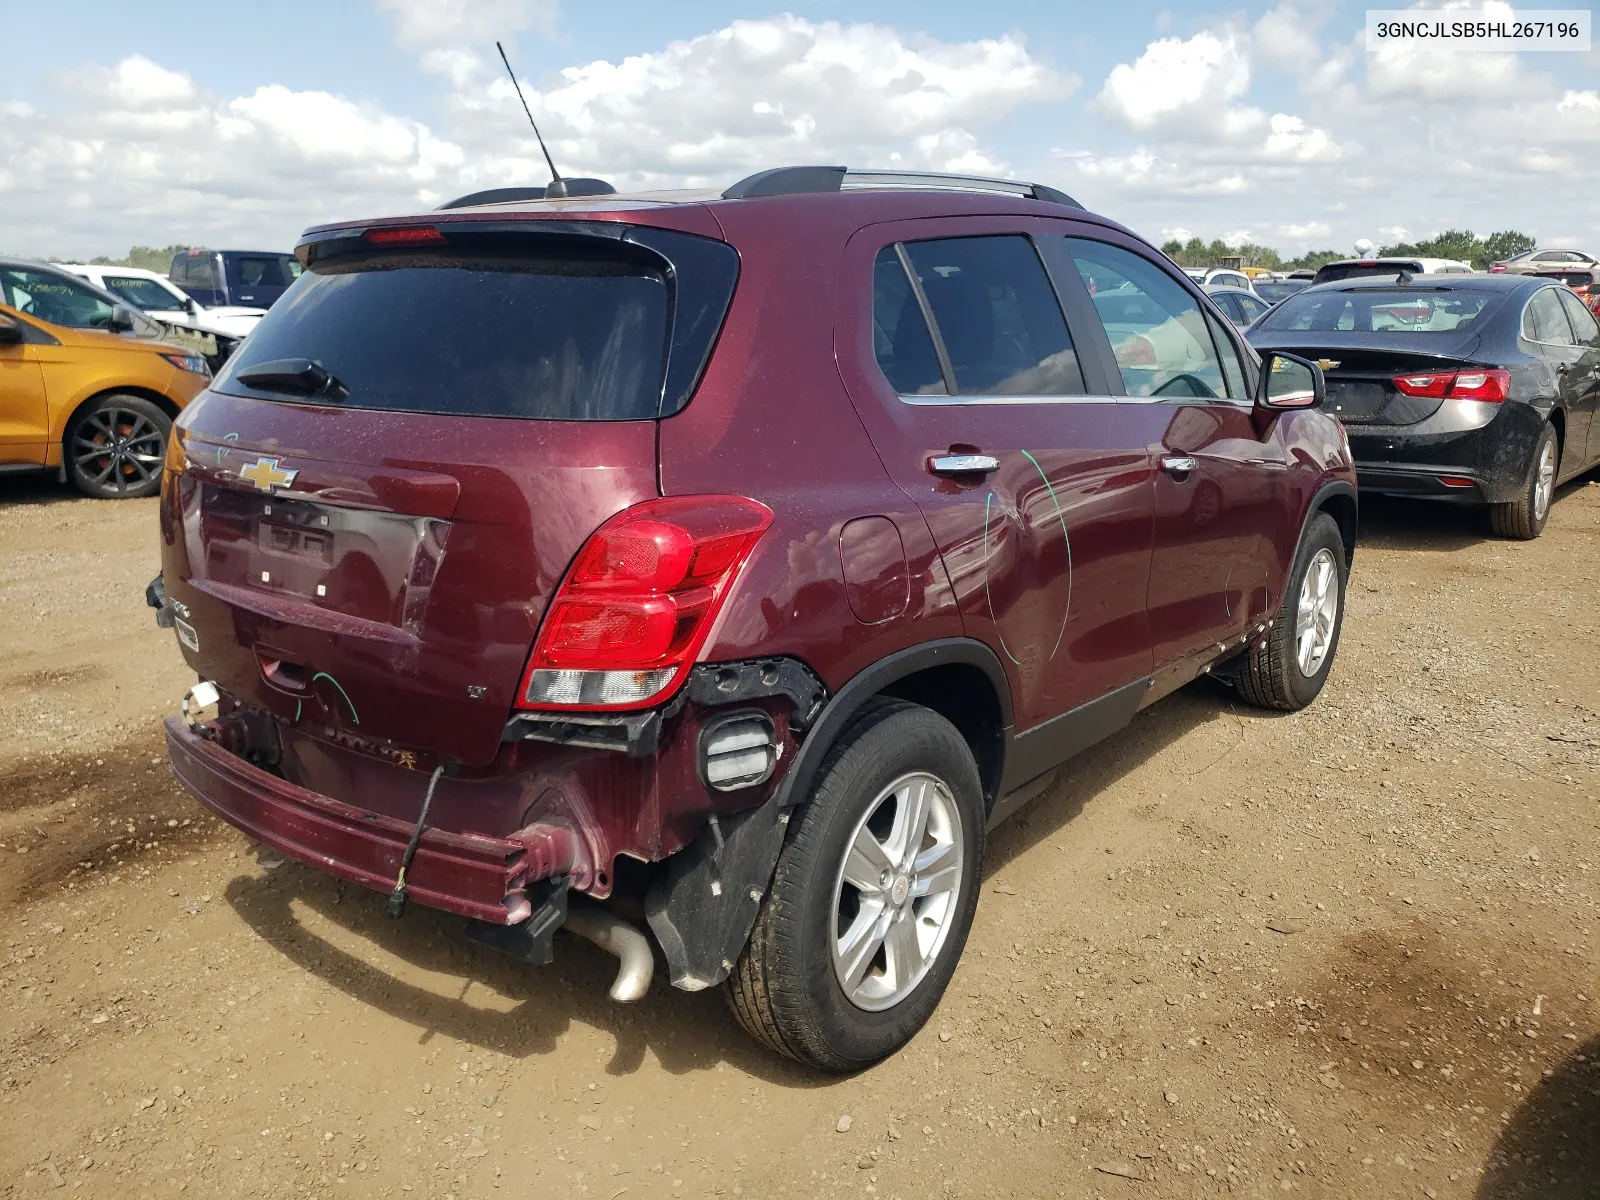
point(86, 384)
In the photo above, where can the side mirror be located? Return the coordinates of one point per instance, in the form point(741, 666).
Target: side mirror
point(122, 320)
point(1289, 381)
point(191, 307)
point(10, 331)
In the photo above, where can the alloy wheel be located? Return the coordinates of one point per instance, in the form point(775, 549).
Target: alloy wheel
point(897, 891)
point(118, 449)
point(1316, 612)
point(1544, 483)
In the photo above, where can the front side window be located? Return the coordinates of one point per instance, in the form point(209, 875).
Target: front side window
point(1543, 320)
point(143, 293)
point(54, 299)
point(1158, 333)
point(996, 317)
point(199, 271)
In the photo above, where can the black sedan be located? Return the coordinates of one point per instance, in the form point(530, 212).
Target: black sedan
point(1479, 389)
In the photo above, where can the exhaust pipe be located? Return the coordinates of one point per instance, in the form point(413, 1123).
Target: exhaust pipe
point(615, 936)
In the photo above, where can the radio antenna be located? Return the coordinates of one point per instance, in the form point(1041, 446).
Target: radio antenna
point(558, 185)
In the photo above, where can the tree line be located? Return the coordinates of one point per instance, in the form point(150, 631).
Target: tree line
point(1460, 244)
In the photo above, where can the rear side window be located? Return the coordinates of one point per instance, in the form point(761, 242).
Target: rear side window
point(572, 333)
point(995, 316)
point(900, 337)
point(1543, 320)
point(1583, 323)
point(1157, 332)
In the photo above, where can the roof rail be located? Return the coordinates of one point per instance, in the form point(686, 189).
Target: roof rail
point(797, 181)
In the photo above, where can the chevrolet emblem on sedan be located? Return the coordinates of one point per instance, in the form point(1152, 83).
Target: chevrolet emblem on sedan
point(1327, 364)
point(266, 475)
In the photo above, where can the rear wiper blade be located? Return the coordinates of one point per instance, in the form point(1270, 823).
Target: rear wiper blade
point(300, 376)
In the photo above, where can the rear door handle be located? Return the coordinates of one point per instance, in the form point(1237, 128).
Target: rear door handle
point(1178, 465)
point(963, 464)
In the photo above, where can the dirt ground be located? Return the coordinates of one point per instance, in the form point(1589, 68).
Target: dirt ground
point(1345, 953)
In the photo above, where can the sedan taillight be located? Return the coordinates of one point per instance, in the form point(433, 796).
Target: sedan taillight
point(1492, 384)
point(635, 609)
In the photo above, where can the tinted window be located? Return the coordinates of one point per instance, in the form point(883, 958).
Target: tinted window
point(143, 293)
point(1379, 310)
point(274, 270)
point(1543, 320)
point(1249, 307)
point(1583, 323)
point(1157, 332)
point(54, 299)
point(998, 316)
point(569, 333)
point(199, 270)
point(900, 337)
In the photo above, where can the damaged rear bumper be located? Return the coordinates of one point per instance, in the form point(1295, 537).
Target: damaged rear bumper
point(474, 875)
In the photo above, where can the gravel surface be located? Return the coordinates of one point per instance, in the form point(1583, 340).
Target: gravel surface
point(1346, 953)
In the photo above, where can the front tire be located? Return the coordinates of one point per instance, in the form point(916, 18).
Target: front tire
point(1286, 669)
point(114, 448)
point(1524, 518)
point(873, 895)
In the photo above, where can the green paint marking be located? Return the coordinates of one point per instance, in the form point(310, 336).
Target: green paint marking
point(342, 692)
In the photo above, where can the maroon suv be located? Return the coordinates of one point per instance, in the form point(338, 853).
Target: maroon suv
point(731, 560)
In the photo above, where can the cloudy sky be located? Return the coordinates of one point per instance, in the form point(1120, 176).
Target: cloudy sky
point(234, 125)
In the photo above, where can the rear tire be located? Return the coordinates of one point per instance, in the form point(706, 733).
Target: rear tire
point(1524, 518)
point(815, 933)
point(114, 448)
point(1286, 669)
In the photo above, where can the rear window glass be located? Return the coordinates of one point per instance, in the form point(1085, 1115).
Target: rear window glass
point(568, 334)
point(1334, 272)
point(263, 270)
point(1378, 310)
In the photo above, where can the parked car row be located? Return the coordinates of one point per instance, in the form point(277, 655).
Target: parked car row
point(96, 361)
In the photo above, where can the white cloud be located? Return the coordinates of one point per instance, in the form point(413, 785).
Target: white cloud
point(1188, 92)
point(184, 164)
point(759, 93)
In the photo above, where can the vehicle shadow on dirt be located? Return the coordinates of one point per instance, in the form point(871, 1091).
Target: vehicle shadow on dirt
point(1152, 732)
point(537, 1006)
point(1551, 1148)
point(1394, 523)
point(31, 487)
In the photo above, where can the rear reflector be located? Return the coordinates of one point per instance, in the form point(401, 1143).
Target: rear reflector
point(402, 235)
point(639, 601)
point(1492, 384)
point(1459, 481)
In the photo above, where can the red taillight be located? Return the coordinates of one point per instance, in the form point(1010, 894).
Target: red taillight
point(1457, 481)
point(1492, 384)
point(639, 601)
point(1136, 350)
point(1497, 268)
point(402, 235)
point(1432, 386)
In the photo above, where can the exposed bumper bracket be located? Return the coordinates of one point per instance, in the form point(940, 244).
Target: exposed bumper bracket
point(530, 940)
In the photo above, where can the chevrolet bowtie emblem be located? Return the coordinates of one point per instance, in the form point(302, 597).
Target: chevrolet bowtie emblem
point(266, 475)
point(1327, 364)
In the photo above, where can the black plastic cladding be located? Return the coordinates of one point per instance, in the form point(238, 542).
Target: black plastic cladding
point(701, 272)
